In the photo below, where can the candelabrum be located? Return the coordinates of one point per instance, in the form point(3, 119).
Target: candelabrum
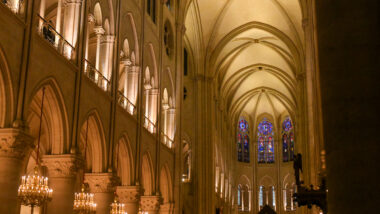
point(117, 207)
point(34, 190)
point(84, 202)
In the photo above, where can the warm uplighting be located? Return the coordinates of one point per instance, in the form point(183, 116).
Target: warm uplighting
point(142, 212)
point(117, 207)
point(34, 190)
point(84, 202)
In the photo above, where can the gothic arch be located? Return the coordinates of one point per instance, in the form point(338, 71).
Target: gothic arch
point(154, 65)
point(166, 184)
point(124, 161)
point(54, 138)
point(135, 37)
point(6, 92)
point(96, 148)
point(147, 174)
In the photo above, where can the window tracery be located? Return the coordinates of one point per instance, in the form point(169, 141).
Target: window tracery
point(287, 140)
point(265, 142)
point(243, 141)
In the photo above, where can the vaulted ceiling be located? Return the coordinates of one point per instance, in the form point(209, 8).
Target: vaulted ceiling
point(253, 49)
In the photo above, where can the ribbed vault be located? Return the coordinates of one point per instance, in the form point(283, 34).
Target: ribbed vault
point(253, 50)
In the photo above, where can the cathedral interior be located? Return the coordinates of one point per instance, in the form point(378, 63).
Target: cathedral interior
point(189, 106)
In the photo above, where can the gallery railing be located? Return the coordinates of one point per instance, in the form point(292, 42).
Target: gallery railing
point(96, 76)
point(126, 103)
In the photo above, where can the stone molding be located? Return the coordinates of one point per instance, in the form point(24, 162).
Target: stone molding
point(15, 143)
point(150, 203)
point(101, 182)
point(99, 30)
point(128, 194)
point(62, 165)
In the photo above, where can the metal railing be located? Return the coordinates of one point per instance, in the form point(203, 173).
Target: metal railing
point(149, 125)
point(166, 140)
point(126, 103)
point(48, 32)
point(16, 6)
point(96, 76)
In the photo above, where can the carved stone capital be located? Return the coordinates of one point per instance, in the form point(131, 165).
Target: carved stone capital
point(128, 194)
point(15, 143)
point(62, 165)
point(150, 203)
point(101, 182)
point(99, 30)
point(107, 39)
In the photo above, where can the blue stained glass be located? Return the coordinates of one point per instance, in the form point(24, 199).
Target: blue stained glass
point(287, 140)
point(243, 141)
point(265, 142)
point(243, 125)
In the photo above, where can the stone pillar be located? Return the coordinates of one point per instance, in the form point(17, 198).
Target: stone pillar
point(99, 31)
point(249, 200)
point(106, 51)
point(15, 146)
point(166, 208)
point(150, 204)
point(153, 95)
point(171, 124)
point(103, 187)
point(71, 24)
point(58, 22)
point(62, 178)
point(130, 196)
point(133, 83)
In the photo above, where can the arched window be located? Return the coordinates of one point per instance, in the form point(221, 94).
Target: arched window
point(265, 142)
point(273, 198)
point(239, 196)
point(287, 140)
point(243, 141)
point(261, 197)
point(151, 9)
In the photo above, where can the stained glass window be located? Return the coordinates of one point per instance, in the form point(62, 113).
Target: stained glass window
point(240, 147)
point(287, 140)
point(243, 141)
point(265, 142)
point(239, 196)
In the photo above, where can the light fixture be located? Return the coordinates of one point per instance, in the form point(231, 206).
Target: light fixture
point(117, 207)
point(34, 190)
point(84, 201)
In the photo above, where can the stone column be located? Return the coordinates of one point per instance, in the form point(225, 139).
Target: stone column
point(171, 124)
point(130, 196)
point(99, 31)
point(153, 95)
point(103, 187)
point(166, 208)
point(150, 204)
point(106, 50)
point(62, 178)
point(71, 24)
point(133, 83)
point(58, 21)
point(15, 146)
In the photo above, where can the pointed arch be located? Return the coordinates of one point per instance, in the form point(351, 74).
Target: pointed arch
point(6, 92)
point(154, 65)
point(147, 174)
point(124, 160)
point(135, 37)
point(166, 184)
point(96, 148)
point(54, 139)
point(98, 14)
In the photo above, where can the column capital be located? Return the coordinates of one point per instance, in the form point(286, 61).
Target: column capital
point(154, 91)
point(101, 182)
point(107, 38)
point(99, 30)
point(15, 143)
point(150, 203)
point(128, 194)
point(62, 165)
